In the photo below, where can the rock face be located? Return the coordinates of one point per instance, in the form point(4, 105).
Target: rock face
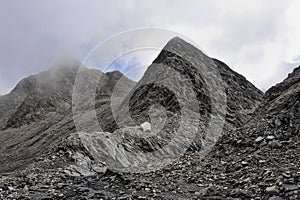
point(255, 157)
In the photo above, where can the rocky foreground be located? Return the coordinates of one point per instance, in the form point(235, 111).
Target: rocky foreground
point(257, 156)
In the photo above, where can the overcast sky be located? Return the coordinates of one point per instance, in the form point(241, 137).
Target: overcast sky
point(257, 38)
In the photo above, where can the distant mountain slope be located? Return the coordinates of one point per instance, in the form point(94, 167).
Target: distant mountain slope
point(37, 114)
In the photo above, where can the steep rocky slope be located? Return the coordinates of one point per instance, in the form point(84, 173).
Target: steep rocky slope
point(265, 151)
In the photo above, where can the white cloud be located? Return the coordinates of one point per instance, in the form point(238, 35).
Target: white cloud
point(253, 37)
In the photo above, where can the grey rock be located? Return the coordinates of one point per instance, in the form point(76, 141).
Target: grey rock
point(244, 163)
point(99, 169)
point(259, 139)
point(146, 127)
point(74, 170)
point(289, 187)
point(272, 190)
point(276, 198)
point(270, 137)
point(275, 144)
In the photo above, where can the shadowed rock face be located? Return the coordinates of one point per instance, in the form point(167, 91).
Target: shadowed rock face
point(243, 98)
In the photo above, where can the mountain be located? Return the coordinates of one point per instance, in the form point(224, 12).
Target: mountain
point(191, 128)
point(181, 60)
point(183, 95)
point(37, 114)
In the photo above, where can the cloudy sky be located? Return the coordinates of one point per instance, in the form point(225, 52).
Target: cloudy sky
point(257, 38)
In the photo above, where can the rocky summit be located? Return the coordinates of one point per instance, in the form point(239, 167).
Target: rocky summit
point(191, 128)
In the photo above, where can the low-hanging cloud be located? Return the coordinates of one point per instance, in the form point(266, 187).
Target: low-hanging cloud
point(255, 38)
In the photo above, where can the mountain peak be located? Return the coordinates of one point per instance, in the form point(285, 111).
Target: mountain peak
point(176, 39)
point(177, 42)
